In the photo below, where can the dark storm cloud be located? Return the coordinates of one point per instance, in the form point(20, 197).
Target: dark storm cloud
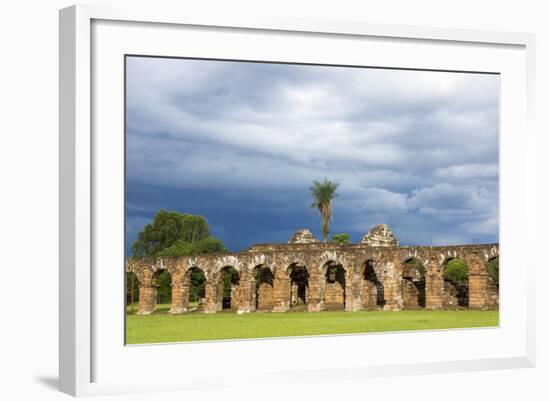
point(240, 143)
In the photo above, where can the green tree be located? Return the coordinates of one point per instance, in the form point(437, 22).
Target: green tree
point(132, 287)
point(492, 269)
point(164, 287)
point(183, 248)
point(342, 238)
point(172, 234)
point(197, 285)
point(416, 264)
point(167, 228)
point(323, 193)
point(456, 271)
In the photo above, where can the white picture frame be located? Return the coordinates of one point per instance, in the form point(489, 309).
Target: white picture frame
point(91, 37)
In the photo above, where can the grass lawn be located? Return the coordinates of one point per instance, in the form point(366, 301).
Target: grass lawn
point(162, 327)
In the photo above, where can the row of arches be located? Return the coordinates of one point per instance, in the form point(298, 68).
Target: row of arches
point(297, 288)
point(456, 283)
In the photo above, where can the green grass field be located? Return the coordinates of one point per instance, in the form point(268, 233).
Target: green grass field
point(162, 327)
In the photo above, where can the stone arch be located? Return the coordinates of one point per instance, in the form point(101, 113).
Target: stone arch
point(332, 258)
point(289, 263)
point(263, 288)
point(455, 290)
point(492, 268)
point(372, 287)
point(162, 283)
point(413, 283)
point(492, 287)
point(194, 282)
point(299, 286)
point(333, 285)
point(491, 253)
point(262, 260)
point(222, 262)
point(228, 288)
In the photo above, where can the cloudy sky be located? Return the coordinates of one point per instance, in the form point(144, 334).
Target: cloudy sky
point(240, 143)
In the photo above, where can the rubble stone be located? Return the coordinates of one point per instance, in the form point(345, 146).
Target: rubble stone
point(317, 276)
point(380, 235)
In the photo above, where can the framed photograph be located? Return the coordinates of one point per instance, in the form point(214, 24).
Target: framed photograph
point(296, 197)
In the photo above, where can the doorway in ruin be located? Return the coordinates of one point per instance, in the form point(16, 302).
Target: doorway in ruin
point(263, 277)
point(228, 288)
point(455, 285)
point(493, 271)
point(196, 282)
point(162, 281)
point(334, 291)
point(492, 268)
point(413, 284)
point(299, 286)
point(132, 292)
point(372, 287)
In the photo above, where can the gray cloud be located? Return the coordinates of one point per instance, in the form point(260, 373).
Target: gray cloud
point(408, 147)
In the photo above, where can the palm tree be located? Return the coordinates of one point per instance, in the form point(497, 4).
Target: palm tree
point(323, 193)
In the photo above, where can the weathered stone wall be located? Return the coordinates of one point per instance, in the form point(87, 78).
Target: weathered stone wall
point(265, 297)
point(373, 277)
point(334, 296)
point(410, 294)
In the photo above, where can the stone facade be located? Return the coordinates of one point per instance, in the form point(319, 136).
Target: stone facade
point(302, 236)
point(380, 235)
point(313, 276)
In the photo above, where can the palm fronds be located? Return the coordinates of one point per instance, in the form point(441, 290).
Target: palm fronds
point(323, 193)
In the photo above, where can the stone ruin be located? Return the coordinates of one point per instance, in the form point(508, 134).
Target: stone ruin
point(302, 236)
point(380, 235)
point(306, 274)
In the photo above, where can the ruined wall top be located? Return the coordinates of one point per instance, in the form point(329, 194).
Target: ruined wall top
point(380, 235)
point(302, 236)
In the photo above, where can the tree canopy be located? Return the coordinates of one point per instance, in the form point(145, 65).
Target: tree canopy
point(492, 269)
point(456, 271)
point(323, 193)
point(182, 248)
point(417, 265)
point(342, 238)
point(175, 234)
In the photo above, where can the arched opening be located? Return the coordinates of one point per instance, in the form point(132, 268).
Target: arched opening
point(334, 294)
point(196, 280)
point(493, 282)
point(455, 276)
point(228, 287)
point(413, 284)
point(162, 281)
point(373, 289)
point(299, 285)
point(263, 277)
point(493, 270)
point(132, 292)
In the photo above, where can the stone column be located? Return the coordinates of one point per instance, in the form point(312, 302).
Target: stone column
point(350, 292)
point(434, 285)
point(180, 293)
point(211, 296)
point(492, 294)
point(392, 287)
point(478, 280)
point(281, 290)
point(147, 293)
point(315, 291)
point(254, 296)
point(246, 293)
point(354, 290)
point(409, 294)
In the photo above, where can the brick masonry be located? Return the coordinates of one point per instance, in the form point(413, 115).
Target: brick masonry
point(309, 275)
